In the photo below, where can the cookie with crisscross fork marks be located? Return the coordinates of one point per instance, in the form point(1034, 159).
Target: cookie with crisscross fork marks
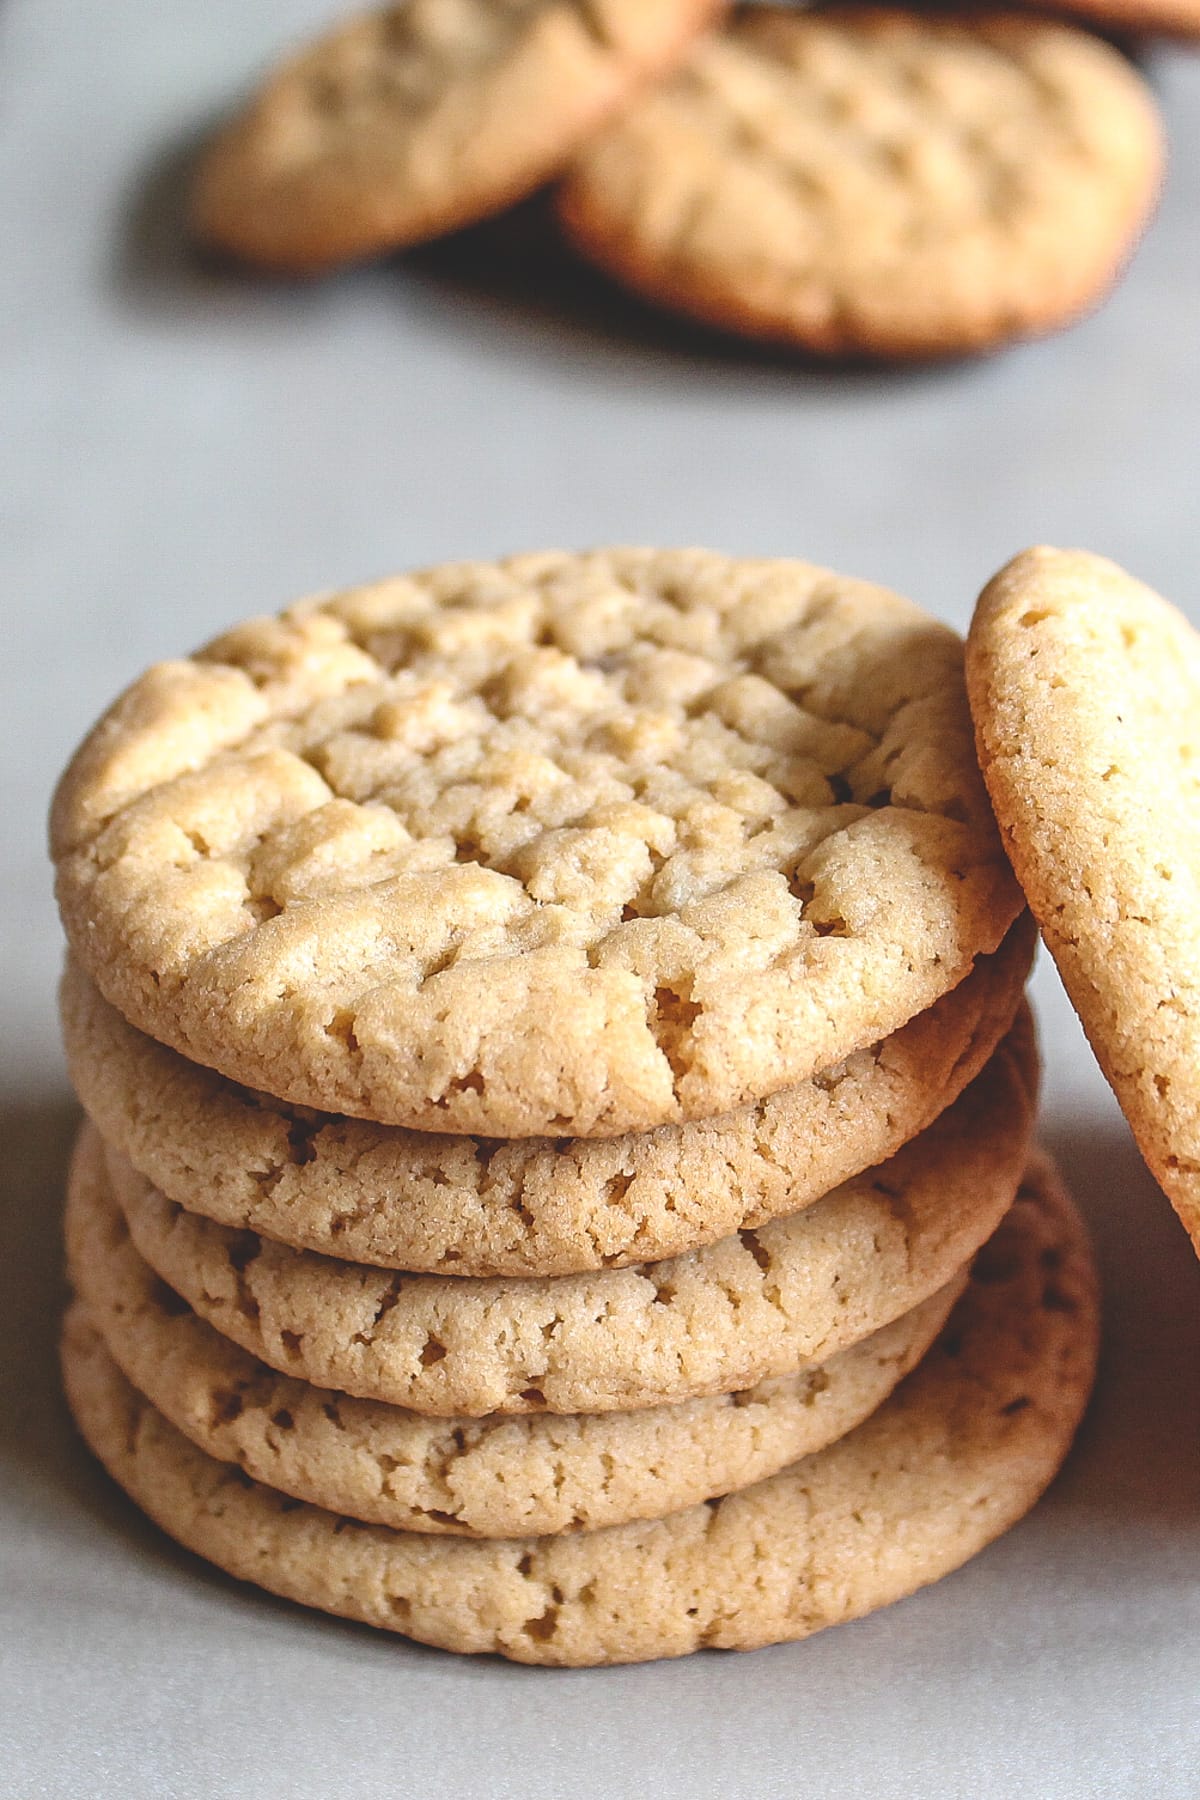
point(568, 845)
point(875, 181)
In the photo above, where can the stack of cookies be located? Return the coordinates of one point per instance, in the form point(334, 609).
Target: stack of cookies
point(844, 180)
point(557, 1174)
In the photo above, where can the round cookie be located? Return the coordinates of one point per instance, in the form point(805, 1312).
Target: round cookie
point(1085, 687)
point(727, 1316)
point(567, 846)
point(498, 1477)
point(962, 1450)
point(428, 115)
point(875, 181)
point(479, 1206)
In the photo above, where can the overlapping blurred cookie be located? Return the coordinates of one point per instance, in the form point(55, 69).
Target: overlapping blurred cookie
point(757, 1304)
point(1085, 687)
point(571, 845)
point(870, 180)
point(424, 116)
point(961, 1451)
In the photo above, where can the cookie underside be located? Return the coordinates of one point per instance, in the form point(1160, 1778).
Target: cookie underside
point(1085, 688)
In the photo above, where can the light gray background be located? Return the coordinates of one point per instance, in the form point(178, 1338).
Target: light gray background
point(178, 450)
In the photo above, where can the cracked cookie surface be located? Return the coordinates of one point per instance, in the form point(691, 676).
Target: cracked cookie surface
point(423, 117)
point(959, 1453)
point(1085, 687)
point(760, 1303)
point(571, 845)
point(480, 1206)
point(876, 181)
point(499, 1477)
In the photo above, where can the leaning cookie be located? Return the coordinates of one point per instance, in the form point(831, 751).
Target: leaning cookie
point(1085, 687)
point(726, 1316)
point(566, 846)
point(875, 181)
point(432, 1202)
point(959, 1453)
point(491, 1477)
point(411, 121)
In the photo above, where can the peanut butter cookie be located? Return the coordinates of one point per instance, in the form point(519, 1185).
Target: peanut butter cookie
point(875, 181)
point(526, 1206)
point(959, 1453)
point(497, 1477)
point(726, 1316)
point(567, 846)
point(1085, 687)
point(408, 122)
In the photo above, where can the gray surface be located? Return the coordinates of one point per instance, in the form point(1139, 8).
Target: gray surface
point(179, 450)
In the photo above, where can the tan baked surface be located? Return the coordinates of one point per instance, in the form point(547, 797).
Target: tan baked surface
point(571, 845)
point(876, 180)
point(757, 1304)
point(1172, 18)
point(422, 117)
point(1086, 692)
point(498, 1477)
point(480, 1206)
point(959, 1453)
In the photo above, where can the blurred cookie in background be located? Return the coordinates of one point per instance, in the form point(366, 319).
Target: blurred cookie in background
point(409, 122)
point(874, 181)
